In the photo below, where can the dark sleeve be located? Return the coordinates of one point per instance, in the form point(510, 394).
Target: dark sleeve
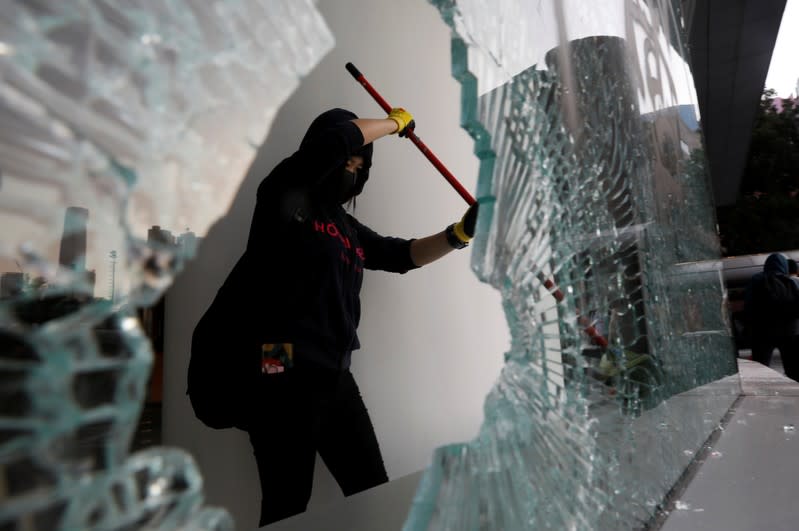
point(792, 306)
point(384, 253)
point(749, 303)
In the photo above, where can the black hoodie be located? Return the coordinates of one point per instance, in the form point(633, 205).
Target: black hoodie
point(771, 301)
point(301, 274)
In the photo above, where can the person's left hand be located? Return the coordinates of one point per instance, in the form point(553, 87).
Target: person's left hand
point(464, 229)
point(404, 120)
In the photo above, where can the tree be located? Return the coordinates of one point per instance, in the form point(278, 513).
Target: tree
point(766, 216)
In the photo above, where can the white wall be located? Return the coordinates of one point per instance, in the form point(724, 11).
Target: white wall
point(432, 340)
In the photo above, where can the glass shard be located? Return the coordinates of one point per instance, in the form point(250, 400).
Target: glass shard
point(596, 226)
point(120, 127)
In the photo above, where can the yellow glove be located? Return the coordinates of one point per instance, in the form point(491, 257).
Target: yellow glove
point(459, 234)
point(404, 120)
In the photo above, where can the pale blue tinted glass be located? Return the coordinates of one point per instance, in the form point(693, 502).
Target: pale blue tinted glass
point(125, 130)
point(596, 225)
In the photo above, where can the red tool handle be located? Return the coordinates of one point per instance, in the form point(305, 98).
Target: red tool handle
point(412, 136)
point(588, 328)
point(548, 284)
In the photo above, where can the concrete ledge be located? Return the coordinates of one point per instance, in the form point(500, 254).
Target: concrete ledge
point(759, 380)
point(746, 479)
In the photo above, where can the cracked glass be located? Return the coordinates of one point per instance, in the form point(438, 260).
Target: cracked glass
point(597, 227)
point(110, 173)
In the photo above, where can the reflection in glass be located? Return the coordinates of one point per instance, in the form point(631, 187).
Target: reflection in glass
point(596, 227)
point(117, 126)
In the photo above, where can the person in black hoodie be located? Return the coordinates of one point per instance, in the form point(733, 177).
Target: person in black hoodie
point(287, 352)
point(771, 308)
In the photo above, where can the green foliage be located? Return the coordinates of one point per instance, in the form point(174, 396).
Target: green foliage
point(766, 215)
point(773, 163)
point(759, 225)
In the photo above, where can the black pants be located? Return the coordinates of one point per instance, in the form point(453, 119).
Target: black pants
point(302, 412)
point(763, 347)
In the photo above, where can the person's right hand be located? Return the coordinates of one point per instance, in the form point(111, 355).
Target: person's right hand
point(404, 120)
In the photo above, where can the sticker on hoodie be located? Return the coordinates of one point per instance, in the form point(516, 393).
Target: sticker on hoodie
point(276, 357)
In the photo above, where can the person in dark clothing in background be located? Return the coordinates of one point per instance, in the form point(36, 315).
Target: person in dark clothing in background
point(771, 308)
point(791, 364)
point(300, 276)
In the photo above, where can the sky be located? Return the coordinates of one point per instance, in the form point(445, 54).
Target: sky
point(783, 71)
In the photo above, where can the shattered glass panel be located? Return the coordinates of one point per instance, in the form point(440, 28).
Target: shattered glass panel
point(125, 131)
point(596, 226)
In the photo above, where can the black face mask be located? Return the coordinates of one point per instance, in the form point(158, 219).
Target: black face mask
point(344, 185)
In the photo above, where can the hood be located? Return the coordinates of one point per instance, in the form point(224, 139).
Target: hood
point(331, 118)
point(776, 264)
